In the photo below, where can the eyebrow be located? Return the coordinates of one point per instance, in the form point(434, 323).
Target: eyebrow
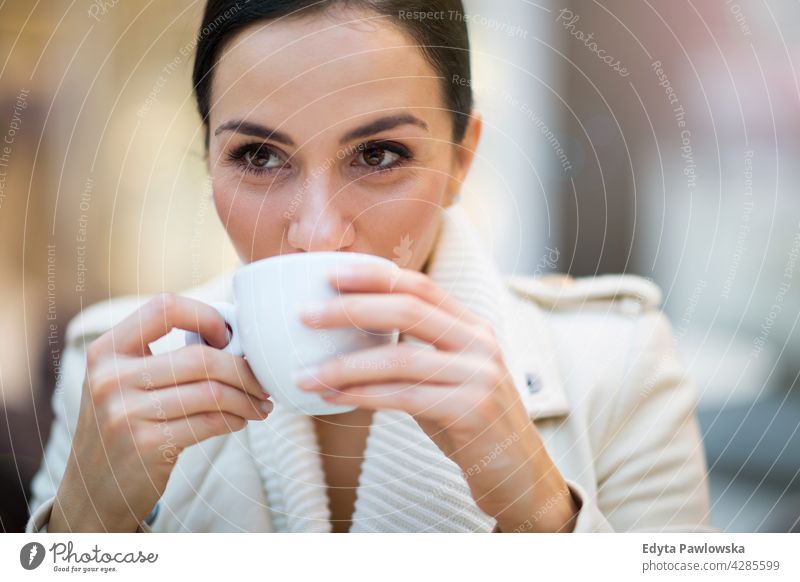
point(383, 124)
point(254, 129)
point(373, 127)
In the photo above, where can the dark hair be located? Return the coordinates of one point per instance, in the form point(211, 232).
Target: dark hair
point(438, 26)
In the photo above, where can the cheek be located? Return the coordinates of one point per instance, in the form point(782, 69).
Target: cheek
point(402, 225)
point(405, 236)
point(232, 203)
point(395, 218)
point(412, 189)
point(254, 228)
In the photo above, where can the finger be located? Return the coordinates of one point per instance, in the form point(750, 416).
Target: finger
point(156, 318)
point(196, 397)
point(192, 363)
point(408, 313)
point(382, 278)
point(190, 430)
point(399, 363)
point(421, 400)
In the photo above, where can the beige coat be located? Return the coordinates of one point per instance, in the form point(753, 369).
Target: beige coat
point(594, 361)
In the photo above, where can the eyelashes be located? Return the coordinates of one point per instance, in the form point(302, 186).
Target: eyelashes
point(377, 148)
point(260, 159)
point(249, 158)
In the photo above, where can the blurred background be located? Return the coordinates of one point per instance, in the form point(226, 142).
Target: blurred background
point(656, 138)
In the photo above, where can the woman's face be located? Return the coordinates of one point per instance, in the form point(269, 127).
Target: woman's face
point(332, 135)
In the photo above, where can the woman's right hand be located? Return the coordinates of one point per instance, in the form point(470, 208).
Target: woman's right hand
point(139, 411)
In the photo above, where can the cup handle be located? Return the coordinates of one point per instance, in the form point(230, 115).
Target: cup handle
point(228, 312)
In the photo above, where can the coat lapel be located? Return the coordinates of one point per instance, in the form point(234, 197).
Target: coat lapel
point(406, 482)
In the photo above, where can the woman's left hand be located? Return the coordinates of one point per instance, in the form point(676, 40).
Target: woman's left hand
point(460, 393)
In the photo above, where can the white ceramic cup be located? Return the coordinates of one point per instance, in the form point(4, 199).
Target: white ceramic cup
point(267, 331)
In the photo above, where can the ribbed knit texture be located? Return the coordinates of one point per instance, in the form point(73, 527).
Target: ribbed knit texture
point(406, 484)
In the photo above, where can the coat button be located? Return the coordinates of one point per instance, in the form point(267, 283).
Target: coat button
point(533, 383)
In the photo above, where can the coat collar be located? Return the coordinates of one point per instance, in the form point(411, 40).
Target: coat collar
point(285, 446)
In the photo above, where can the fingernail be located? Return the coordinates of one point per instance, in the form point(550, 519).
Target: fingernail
point(266, 406)
point(306, 378)
point(311, 308)
point(343, 272)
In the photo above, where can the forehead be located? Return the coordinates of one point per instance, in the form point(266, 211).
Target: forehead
point(324, 66)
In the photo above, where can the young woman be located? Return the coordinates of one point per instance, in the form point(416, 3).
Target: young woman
point(519, 404)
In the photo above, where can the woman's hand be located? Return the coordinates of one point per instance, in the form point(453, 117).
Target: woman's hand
point(460, 393)
point(139, 411)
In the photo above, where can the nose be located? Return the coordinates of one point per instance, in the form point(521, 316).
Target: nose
point(317, 222)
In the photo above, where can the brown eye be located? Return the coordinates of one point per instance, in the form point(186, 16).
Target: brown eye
point(381, 155)
point(260, 158)
point(374, 156)
point(257, 159)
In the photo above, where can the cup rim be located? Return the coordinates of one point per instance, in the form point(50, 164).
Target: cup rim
point(288, 257)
